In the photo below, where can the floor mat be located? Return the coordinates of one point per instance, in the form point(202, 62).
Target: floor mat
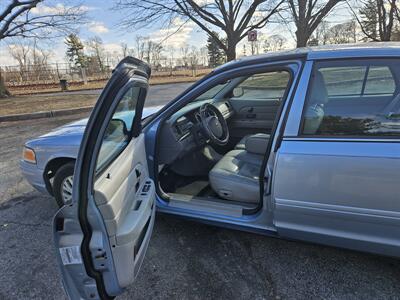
point(194, 188)
point(207, 192)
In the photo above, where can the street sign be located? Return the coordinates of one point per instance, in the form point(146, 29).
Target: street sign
point(252, 36)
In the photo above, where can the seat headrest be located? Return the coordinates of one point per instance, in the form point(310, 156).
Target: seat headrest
point(319, 93)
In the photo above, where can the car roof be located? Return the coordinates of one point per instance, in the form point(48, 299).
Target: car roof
point(381, 49)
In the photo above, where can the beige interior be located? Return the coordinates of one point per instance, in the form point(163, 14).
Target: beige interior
point(126, 206)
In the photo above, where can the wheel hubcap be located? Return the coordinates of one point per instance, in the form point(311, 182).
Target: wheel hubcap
point(66, 189)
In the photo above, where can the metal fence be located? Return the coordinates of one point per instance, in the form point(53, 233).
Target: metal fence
point(28, 75)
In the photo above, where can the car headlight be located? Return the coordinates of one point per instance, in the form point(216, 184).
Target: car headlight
point(29, 155)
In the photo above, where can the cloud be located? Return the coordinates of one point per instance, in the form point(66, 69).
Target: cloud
point(5, 58)
point(112, 47)
point(175, 36)
point(97, 27)
point(203, 2)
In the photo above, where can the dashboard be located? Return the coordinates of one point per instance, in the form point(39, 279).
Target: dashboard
point(182, 132)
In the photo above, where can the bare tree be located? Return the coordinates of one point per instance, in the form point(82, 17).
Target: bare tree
point(40, 66)
point(25, 19)
point(320, 35)
point(378, 19)
point(234, 18)
point(95, 46)
point(171, 58)
point(32, 60)
point(193, 59)
point(148, 50)
point(140, 46)
point(275, 42)
point(155, 52)
point(343, 33)
point(204, 56)
point(185, 54)
point(124, 49)
point(307, 15)
point(21, 53)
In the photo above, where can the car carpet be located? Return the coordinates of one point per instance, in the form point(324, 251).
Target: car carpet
point(194, 188)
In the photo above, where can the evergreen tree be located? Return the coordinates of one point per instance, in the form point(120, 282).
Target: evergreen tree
point(379, 20)
point(75, 52)
point(369, 20)
point(215, 53)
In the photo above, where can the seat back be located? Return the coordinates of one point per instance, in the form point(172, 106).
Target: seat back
point(315, 105)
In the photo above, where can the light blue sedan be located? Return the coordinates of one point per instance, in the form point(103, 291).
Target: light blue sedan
point(303, 144)
point(48, 160)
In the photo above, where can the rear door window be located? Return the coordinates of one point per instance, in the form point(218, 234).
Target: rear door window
point(344, 81)
point(380, 81)
point(353, 98)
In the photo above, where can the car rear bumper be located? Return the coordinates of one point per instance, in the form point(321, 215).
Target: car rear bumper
point(33, 175)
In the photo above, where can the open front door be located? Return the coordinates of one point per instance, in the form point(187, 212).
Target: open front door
point(102, 237)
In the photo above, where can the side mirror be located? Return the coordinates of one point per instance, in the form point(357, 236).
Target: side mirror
point(237, 92)
point(116, 127)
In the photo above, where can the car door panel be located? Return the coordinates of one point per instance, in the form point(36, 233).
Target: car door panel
point(339, 193)
point(252, 116)
point(103, 235)
point(125, 206)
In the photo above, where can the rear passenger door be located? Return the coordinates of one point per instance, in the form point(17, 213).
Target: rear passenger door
point(256, 101)
point(337, 174)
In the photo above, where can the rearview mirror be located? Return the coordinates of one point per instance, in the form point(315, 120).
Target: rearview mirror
point(238, 92)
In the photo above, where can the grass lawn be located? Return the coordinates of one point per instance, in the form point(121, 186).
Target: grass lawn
point(91, 85)
point(36, 103)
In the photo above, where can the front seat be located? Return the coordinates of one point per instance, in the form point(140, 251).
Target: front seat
point(261, 137)
point(236, 175)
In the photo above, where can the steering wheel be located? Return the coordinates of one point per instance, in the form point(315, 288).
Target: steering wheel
point(214, 124)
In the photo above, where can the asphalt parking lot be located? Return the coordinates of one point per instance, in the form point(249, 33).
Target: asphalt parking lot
point(185, 260)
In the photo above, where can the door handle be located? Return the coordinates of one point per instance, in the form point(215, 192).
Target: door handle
point(251, 116)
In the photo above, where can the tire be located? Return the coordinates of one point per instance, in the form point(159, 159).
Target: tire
point(63, 177)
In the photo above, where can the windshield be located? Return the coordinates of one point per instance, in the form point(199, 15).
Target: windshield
point(211, 93)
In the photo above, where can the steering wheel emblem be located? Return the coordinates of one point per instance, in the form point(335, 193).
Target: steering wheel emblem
point(214, 124)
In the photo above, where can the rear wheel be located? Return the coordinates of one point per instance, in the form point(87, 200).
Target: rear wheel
point(62, 184)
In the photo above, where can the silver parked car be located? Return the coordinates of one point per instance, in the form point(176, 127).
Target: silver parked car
point(48, 160)
point(302, 144)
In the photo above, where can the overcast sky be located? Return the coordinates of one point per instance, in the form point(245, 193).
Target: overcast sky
point(103, 22)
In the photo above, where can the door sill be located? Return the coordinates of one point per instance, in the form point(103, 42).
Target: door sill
point(209, 205)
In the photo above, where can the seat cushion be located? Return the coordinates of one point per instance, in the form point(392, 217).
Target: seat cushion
point(236, 176)
point(258, 140)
